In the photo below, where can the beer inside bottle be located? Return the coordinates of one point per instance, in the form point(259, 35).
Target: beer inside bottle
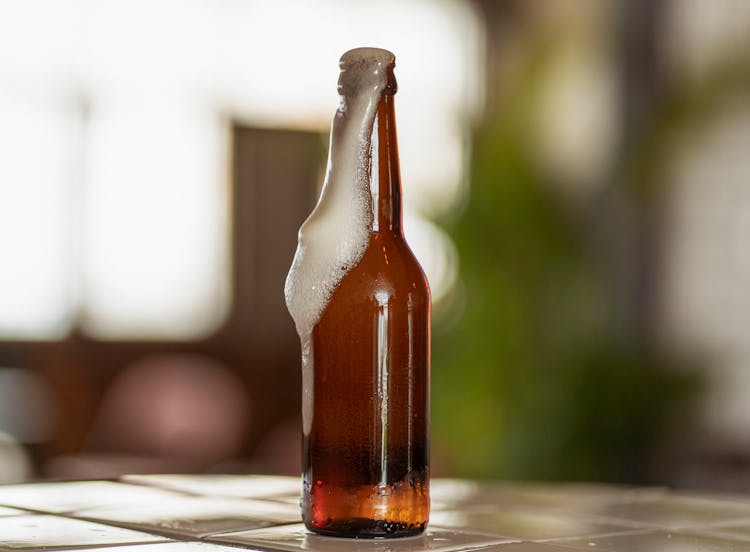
point(361, 305)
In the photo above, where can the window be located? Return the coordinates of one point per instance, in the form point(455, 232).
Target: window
point(113, 150)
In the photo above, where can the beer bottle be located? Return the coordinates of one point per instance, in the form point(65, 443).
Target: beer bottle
point(361, 305)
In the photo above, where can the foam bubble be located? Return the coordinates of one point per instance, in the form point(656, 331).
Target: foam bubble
point(335, 236)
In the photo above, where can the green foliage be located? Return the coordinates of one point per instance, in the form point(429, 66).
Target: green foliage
point(535, 381)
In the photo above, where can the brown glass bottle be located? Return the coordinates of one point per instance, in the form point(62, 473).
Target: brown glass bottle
point(365, 457)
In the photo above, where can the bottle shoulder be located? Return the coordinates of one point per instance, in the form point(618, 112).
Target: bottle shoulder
point(388, 269)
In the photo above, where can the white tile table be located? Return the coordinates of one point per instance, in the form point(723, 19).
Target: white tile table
point(205, 513)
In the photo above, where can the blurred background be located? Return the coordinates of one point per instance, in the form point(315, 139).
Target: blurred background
point(576, 188)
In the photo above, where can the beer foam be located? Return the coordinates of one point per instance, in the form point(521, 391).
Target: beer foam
point(335, 236)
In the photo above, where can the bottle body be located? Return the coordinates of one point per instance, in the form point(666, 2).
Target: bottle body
point(365, 459)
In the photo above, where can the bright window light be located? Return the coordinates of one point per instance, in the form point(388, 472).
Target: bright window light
point(35, 277)
point(155, 216)
point(140, 250)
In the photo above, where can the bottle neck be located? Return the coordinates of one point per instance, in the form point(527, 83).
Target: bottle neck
point(385, 181)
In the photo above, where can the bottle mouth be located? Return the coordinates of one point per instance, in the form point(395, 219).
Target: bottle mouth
point(367, 68)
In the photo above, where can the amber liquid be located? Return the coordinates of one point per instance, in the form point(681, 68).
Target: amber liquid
point(365, 459)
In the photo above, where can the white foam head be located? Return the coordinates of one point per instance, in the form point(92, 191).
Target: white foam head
point(335, 236)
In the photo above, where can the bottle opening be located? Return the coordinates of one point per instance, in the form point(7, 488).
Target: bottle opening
point(364, 68)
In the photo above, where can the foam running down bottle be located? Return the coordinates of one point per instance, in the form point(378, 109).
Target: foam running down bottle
point(361, 306)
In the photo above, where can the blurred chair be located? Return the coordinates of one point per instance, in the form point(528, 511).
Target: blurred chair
point(164, 413)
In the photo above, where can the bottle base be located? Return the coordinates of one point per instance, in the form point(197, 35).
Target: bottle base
point(361, 528)
point(394, 510)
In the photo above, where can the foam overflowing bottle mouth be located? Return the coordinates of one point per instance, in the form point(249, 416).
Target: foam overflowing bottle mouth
point(337, 232)
point(367, 67)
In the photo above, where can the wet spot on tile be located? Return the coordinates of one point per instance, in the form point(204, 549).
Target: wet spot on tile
point(296, 537)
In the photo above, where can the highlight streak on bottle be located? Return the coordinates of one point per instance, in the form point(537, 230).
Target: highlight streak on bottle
point(382, 382)
point(336, 234)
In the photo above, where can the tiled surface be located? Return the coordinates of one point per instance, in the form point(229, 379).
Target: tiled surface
point(660, 541)
point(35, 531)
point(450, 493)
point(674, 512)
point(77, 495)
point(10, 511)
point(237, 486)
point(196, 516)
point(524, 524)
point(737, 530)
point(527, 547)
point(293, 538)
point(168, 547)
point(169, 513)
